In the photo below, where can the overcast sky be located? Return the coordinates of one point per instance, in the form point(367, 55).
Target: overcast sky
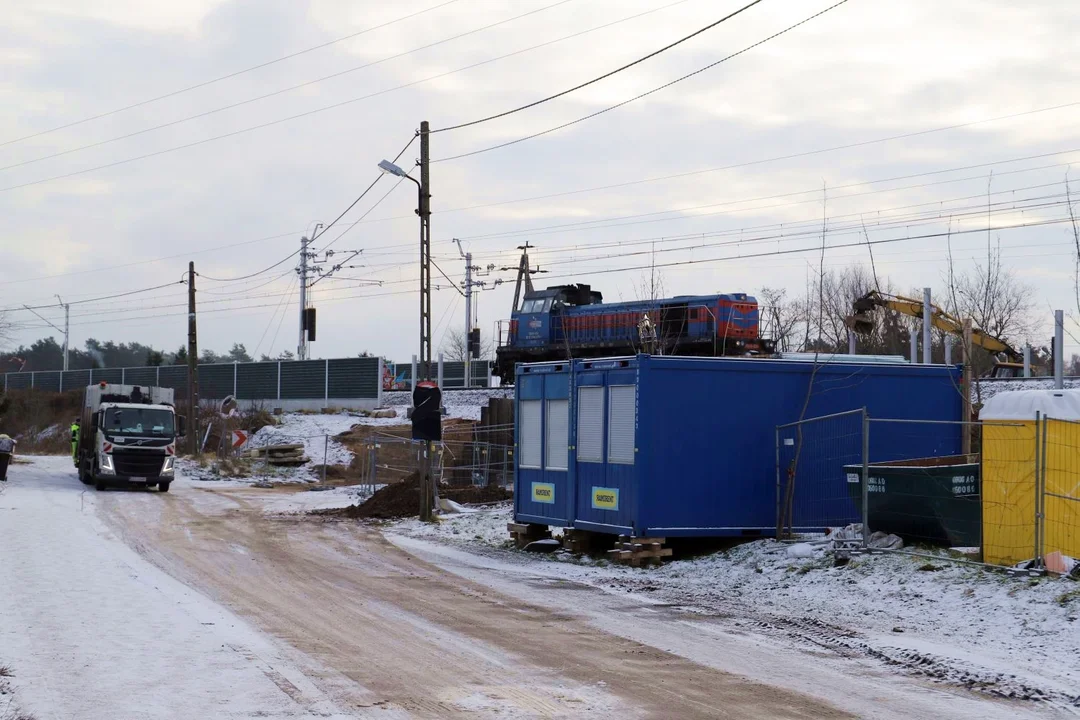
point(101, 221)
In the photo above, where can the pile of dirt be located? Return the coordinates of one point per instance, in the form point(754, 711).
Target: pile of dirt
point(402, 499)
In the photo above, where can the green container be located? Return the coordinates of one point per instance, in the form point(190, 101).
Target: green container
point(928, 500)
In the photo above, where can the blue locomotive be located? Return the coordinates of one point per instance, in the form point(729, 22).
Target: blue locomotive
point(573, 321)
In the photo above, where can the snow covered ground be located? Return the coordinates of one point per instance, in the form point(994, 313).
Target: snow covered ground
point(955, 625)
point(464, 404)
point(92, 630)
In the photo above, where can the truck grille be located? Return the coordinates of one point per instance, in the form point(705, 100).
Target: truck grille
point(133, 463)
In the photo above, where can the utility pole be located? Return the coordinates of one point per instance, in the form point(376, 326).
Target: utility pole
point(425, 251)
point(468, 312)
point(67, 327)
point(301, 347)
point(193, 366)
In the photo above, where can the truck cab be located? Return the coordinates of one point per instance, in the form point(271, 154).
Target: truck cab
point(128, 436)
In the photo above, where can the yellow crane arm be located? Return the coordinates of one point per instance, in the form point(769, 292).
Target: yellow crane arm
point(860, 321)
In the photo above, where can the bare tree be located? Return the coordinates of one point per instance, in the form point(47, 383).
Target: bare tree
point(455, 346)
point(996, 299)
point(781, 318)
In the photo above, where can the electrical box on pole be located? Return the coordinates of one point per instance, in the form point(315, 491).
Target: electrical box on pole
point(474, 343)
point(309, 324)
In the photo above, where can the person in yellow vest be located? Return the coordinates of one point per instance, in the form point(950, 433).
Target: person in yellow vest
point(75, 442)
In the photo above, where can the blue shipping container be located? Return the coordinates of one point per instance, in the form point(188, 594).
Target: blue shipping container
point(670, 447)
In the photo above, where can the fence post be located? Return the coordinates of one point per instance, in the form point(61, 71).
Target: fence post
point(123, 376)
point(779, 520)
point(157, 376)
point(31, 380)
point(440, 375)
point(325, 458)
point(279, 380)
point(1040, 500)
point(326, 384)
point(61, 381)
point(489, 373)
point(91, 376)
point(235, 374)
point(1038, 471)
point(865, 479)
point(413, 379)
point(379, 383)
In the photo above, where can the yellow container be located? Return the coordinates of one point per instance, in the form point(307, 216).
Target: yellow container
point(1009, 456)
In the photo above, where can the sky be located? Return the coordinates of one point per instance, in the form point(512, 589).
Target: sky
point(142, 134)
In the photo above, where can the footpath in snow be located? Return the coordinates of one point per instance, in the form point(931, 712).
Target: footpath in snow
point(93, 631)
point(955, 625)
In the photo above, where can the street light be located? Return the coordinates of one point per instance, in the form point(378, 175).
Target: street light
point(425, 272)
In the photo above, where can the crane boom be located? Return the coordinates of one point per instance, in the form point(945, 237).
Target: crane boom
point(862, 323)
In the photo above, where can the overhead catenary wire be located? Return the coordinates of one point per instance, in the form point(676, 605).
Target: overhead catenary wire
point(599, 78)
point(642, 95)
point(96, 299)
point(205, 83)
point(275, 93)
point(315, 236)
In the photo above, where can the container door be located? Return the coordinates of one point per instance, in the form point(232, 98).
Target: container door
point(605, 451)
point(542, 493)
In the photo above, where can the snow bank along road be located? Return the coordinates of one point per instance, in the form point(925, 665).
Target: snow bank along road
point(113, 605)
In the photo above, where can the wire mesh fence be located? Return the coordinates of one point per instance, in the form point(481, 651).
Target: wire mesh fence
point(999, 493)
point(811, 493)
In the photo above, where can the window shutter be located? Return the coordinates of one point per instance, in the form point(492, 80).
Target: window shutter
point(558, 434)
point(621, 421)
point(529, 434)
point(590, 424)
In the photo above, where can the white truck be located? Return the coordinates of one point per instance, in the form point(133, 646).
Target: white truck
point(128, 434)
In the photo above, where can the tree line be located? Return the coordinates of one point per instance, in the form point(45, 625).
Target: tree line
point(47, 354)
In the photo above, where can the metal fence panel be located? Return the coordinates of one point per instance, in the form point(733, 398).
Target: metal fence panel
point(257, 381)
point(1059, 506)
point(303, 379)
point(76, 379)
point(49, 381)
point(141, 376)
point(216, 381)
point(354, 378)
point(175, 377)
point(813, 490)
point(109, 375)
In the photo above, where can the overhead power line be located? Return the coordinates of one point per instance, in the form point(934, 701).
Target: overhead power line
point(205, 83)
point(214, 111)
point(332, 106)
point(96, 299)
point(318, 235)
point(644, 94)
point(606, 75)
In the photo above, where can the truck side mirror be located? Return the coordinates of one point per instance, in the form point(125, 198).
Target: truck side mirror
point(181, 425)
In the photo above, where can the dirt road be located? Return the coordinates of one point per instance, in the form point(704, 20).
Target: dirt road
point(209, 602)
point(392, 631)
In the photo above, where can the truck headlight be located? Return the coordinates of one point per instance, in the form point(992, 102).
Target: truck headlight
point(106, 464)
point(167, 466)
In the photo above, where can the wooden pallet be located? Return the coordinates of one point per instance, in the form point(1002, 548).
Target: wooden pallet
point(635, 551)
point(525, 533)
point(575, 541)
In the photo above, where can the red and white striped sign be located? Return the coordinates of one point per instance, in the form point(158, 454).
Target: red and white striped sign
point(239, 438)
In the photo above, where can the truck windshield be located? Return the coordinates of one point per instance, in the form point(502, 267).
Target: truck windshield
point(139, 421)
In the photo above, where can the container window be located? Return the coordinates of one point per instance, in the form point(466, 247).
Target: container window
point(558, 434)
point(621, 421)
point(530, 437)
point(590, 424)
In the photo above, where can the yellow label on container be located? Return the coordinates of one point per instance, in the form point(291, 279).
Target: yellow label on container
point(543, 493)
point(605, 498)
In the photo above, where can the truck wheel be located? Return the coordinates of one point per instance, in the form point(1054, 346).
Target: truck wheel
point(99, 484)
point(163, 486)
